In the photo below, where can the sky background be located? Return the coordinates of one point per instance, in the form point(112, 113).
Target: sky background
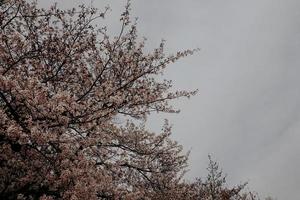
point(247, 111)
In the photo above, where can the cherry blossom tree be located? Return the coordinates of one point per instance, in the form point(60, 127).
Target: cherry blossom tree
point(63, 84)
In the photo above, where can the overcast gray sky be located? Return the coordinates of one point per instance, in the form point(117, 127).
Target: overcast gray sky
point(247, 112)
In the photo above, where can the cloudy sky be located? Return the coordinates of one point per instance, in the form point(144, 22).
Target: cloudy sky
point(247, 111)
